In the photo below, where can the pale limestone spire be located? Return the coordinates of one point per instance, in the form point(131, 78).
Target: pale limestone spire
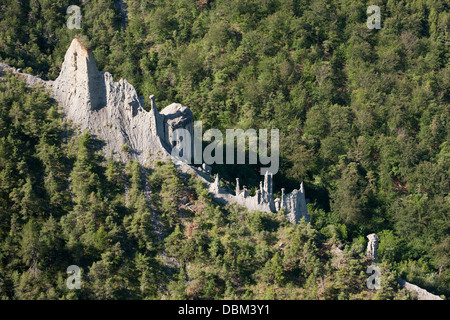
point(215, 187)
point(245, 192)
point(113, 111)
point(266, 183)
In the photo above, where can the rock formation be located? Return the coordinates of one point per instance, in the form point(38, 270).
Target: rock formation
point(114, 113)
point(421, 294)
point(293, 203)
point(29, 79)
point(176, 116)
point(111, 111)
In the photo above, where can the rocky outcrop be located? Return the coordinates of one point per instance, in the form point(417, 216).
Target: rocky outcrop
point(114, 113)
point(421, 294)
point(110, 110)
point(372, 246)
point(294, 203)
point(176, 116)
point(121, 5)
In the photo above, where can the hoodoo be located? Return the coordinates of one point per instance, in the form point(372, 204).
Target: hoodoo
point(114, 113)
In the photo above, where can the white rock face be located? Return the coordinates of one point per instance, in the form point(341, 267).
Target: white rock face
point(29, 79)
point(111, 111)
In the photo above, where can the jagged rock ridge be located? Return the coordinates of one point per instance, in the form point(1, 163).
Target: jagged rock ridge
point(113, 112)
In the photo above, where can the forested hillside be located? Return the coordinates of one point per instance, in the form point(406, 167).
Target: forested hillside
point(145, 233)
point(364, 122)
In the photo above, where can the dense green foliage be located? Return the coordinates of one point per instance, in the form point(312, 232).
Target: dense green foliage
point(363, 115)
point(140, 233)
